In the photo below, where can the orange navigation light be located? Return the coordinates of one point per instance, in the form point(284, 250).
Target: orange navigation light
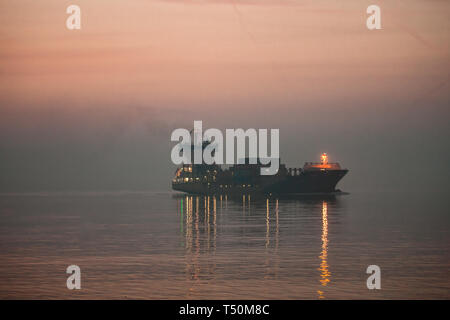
point(324, 158)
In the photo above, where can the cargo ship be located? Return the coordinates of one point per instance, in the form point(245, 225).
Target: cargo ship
point(245, 178)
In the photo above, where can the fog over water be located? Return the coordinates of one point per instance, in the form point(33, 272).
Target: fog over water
point(130, 150)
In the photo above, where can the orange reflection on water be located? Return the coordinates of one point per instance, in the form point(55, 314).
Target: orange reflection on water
point(325, 274)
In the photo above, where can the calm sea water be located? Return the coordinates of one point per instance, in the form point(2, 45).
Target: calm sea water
point(168, 246)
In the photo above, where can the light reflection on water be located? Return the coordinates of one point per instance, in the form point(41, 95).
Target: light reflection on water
point(193, 239)
point(324, 269)
point(166, 246)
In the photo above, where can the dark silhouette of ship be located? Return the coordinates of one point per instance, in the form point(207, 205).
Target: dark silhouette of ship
point(245, 178)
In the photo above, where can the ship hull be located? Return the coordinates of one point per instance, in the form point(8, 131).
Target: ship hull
point(304, 183)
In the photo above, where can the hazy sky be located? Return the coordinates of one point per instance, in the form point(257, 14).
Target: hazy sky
point(93, 109)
